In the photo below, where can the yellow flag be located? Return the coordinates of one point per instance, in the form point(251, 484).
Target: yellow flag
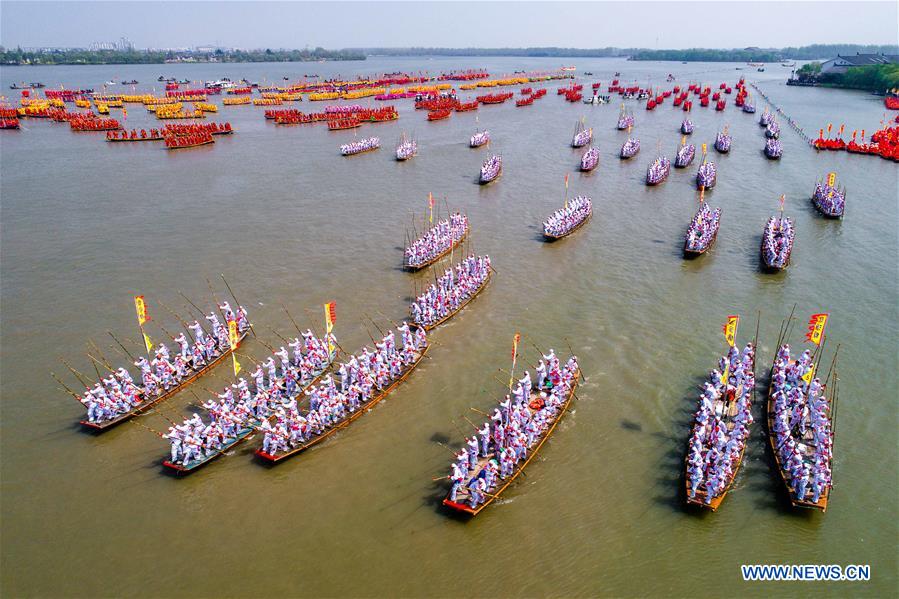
point(831, 179)
point(704, 148)
point(148, 343)
point(730, 329)
point(330, 319)
point(816, 326)
point(236, 363)
point(808, 376)
point(141, 307)
point(233, 337)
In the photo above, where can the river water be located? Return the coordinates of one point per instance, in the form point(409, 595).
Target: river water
point(86, 225)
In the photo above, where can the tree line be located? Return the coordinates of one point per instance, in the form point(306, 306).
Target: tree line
point(74, 56)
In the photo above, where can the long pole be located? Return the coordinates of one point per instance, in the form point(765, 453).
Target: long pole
point(66, 387)
point(128, 353)
point(203, 314)
point(100, 353)
point(81, 378)
point(182, 321)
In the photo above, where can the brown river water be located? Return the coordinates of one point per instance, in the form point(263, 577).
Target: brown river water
point(86, 225)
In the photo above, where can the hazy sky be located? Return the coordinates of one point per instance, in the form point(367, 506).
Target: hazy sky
point(448, 24)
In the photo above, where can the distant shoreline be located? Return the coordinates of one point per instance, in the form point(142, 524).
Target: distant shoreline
point(80, 56)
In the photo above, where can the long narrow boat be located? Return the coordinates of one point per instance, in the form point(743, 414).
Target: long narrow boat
point(828, 198)
point(730, 416)
point(483, 265)
point(535, 399)
point(590, 159)
point(685, 154)
point(349, 418)
point(777, 243)
point(630, 148)
point(582, 212)
point(459, 308)
point(703, 231)
point(245, 431)
point(707, 174)
point(582, 136)
point(805, 445)
point(456, 220)
point(491, 170)
point(241, 435)
point(146, 404)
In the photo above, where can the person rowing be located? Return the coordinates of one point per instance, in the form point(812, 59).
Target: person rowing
point(515, 427)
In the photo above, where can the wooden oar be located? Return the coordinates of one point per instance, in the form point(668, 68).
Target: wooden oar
point(66, 387)
point(234, 297)
point(81, 378)
point(96, 361)
point(154, 431)
point(100, 353)
point(122, 346)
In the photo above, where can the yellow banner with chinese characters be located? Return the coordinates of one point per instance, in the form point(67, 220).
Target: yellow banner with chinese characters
point(233, 337)
point(730, 329)
point(141, 307)
point(816, 326)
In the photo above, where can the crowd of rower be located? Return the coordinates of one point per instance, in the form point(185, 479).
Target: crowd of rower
point(777, 241)
point(450, 291)
point(707, 175)
point(802, 428)
point(363, 145)
point(685, 155)
point(828, 199)
point(239, 410)
point(361, 378)
point(118, 393)
point(658, 170)
point(514, 428)
point(702, 228)
point(722, 424)
point(630, 147)
point(562, 221)
point(437, 240)
point(722, 141)
point(490, 169)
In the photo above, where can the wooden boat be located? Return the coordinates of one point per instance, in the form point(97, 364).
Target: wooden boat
point(533, 451)
point(193, 465)
point(590, 159)
point(829, 200)
point(690, 252)
point(685, 155)
point(349, 418)
point(775, 227)
point(582, 136)
point(773, 149)
point(148, 403)
point(430, 327)
point(439, 115)
point(201, 142)
point(630, 148)
point(731, 411)
point(455, 244)
point(808, 447)
point(244, 433)
point(583, 221)
point(479, 139)
point(489, 172)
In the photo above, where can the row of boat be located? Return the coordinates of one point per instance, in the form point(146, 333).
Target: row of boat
point(799, 419)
